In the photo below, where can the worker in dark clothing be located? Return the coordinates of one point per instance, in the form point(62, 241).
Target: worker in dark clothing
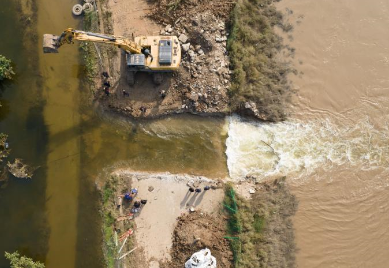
point(143, 202)
point(105, 75)
point(106, 91)
point(206, 188)
point(136, 204)
point(163, 94)
point(128, 197)
point(191, 189)
point(198, 190)
point(125, 93)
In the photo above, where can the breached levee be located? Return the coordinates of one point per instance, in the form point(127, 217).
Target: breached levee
point(293, 147)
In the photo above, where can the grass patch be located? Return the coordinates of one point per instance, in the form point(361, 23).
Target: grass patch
point(108, 209)
point(259, 223)
point(88, 51)
point(234, 224)
point(173, 5)
point(260, 229)
point(109, 212)
point(258, 77)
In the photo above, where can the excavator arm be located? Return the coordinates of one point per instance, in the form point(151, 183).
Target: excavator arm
point(51, 43)
point(144, 53)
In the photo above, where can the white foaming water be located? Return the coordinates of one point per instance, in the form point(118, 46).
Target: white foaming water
point(268, 149)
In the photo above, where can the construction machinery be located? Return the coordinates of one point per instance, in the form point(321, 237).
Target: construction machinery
point(154, 54)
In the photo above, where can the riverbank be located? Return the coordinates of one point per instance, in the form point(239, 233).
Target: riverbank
point(244, 225)
point(211, 35)
point(167, 199)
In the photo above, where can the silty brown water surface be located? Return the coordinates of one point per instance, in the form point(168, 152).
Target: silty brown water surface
point(342, 50)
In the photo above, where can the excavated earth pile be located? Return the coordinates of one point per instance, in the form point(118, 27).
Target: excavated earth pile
point(196, 231)
point(204, 78)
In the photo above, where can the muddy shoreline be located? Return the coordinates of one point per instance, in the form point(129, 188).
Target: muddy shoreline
point(263, 218)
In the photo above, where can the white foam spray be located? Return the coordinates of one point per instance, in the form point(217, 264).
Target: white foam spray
point(268, 149)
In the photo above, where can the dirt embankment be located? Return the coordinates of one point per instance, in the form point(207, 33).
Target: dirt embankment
point(197, 231)
point(202, 82)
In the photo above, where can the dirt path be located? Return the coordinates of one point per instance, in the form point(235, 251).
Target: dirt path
point(129, 17)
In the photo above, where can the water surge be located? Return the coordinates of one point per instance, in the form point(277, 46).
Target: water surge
point(299, 148)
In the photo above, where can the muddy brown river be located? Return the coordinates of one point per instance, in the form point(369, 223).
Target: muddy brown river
point(343, 48)
point(335, 147)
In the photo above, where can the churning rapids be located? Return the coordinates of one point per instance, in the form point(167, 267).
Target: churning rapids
point(298, 148)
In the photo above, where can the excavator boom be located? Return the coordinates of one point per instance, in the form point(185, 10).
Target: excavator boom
point(51, 43)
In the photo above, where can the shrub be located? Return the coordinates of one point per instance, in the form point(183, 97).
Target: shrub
point(6, 71)
point(258, 76)
point(18, 261)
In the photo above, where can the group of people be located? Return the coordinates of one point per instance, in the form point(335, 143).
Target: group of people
point(198, 190)
point(106, 83)
point(130, 196)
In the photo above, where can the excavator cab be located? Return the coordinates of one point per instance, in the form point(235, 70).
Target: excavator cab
point(136, 61)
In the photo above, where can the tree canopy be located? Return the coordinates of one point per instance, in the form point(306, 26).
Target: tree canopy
point(6, 71)
point(18, 261)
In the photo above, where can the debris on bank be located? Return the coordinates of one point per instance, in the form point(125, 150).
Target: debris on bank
point(85, 7)
point(4, 147)
point(20, 170)
point(201, 259)
point(204, 79)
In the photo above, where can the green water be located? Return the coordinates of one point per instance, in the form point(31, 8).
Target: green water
point(54, 217)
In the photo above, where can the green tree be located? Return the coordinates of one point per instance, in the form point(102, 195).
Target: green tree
point(6, 71)
point(18, 261)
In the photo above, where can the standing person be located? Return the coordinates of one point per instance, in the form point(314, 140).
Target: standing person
point(106, 91)
point(127, 197)
point(191, 189)
point(198, 190)
point(206, 188)
point(137, 204)
point(125, 94)
point(107, 83)
point(105, 75)
point(134, 191)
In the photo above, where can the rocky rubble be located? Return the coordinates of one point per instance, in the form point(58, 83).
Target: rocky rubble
point(205, 77)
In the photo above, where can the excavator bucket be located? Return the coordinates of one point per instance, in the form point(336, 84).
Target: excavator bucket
point(50, 43)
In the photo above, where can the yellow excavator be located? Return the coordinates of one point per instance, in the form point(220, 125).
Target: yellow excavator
point(154, 54)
